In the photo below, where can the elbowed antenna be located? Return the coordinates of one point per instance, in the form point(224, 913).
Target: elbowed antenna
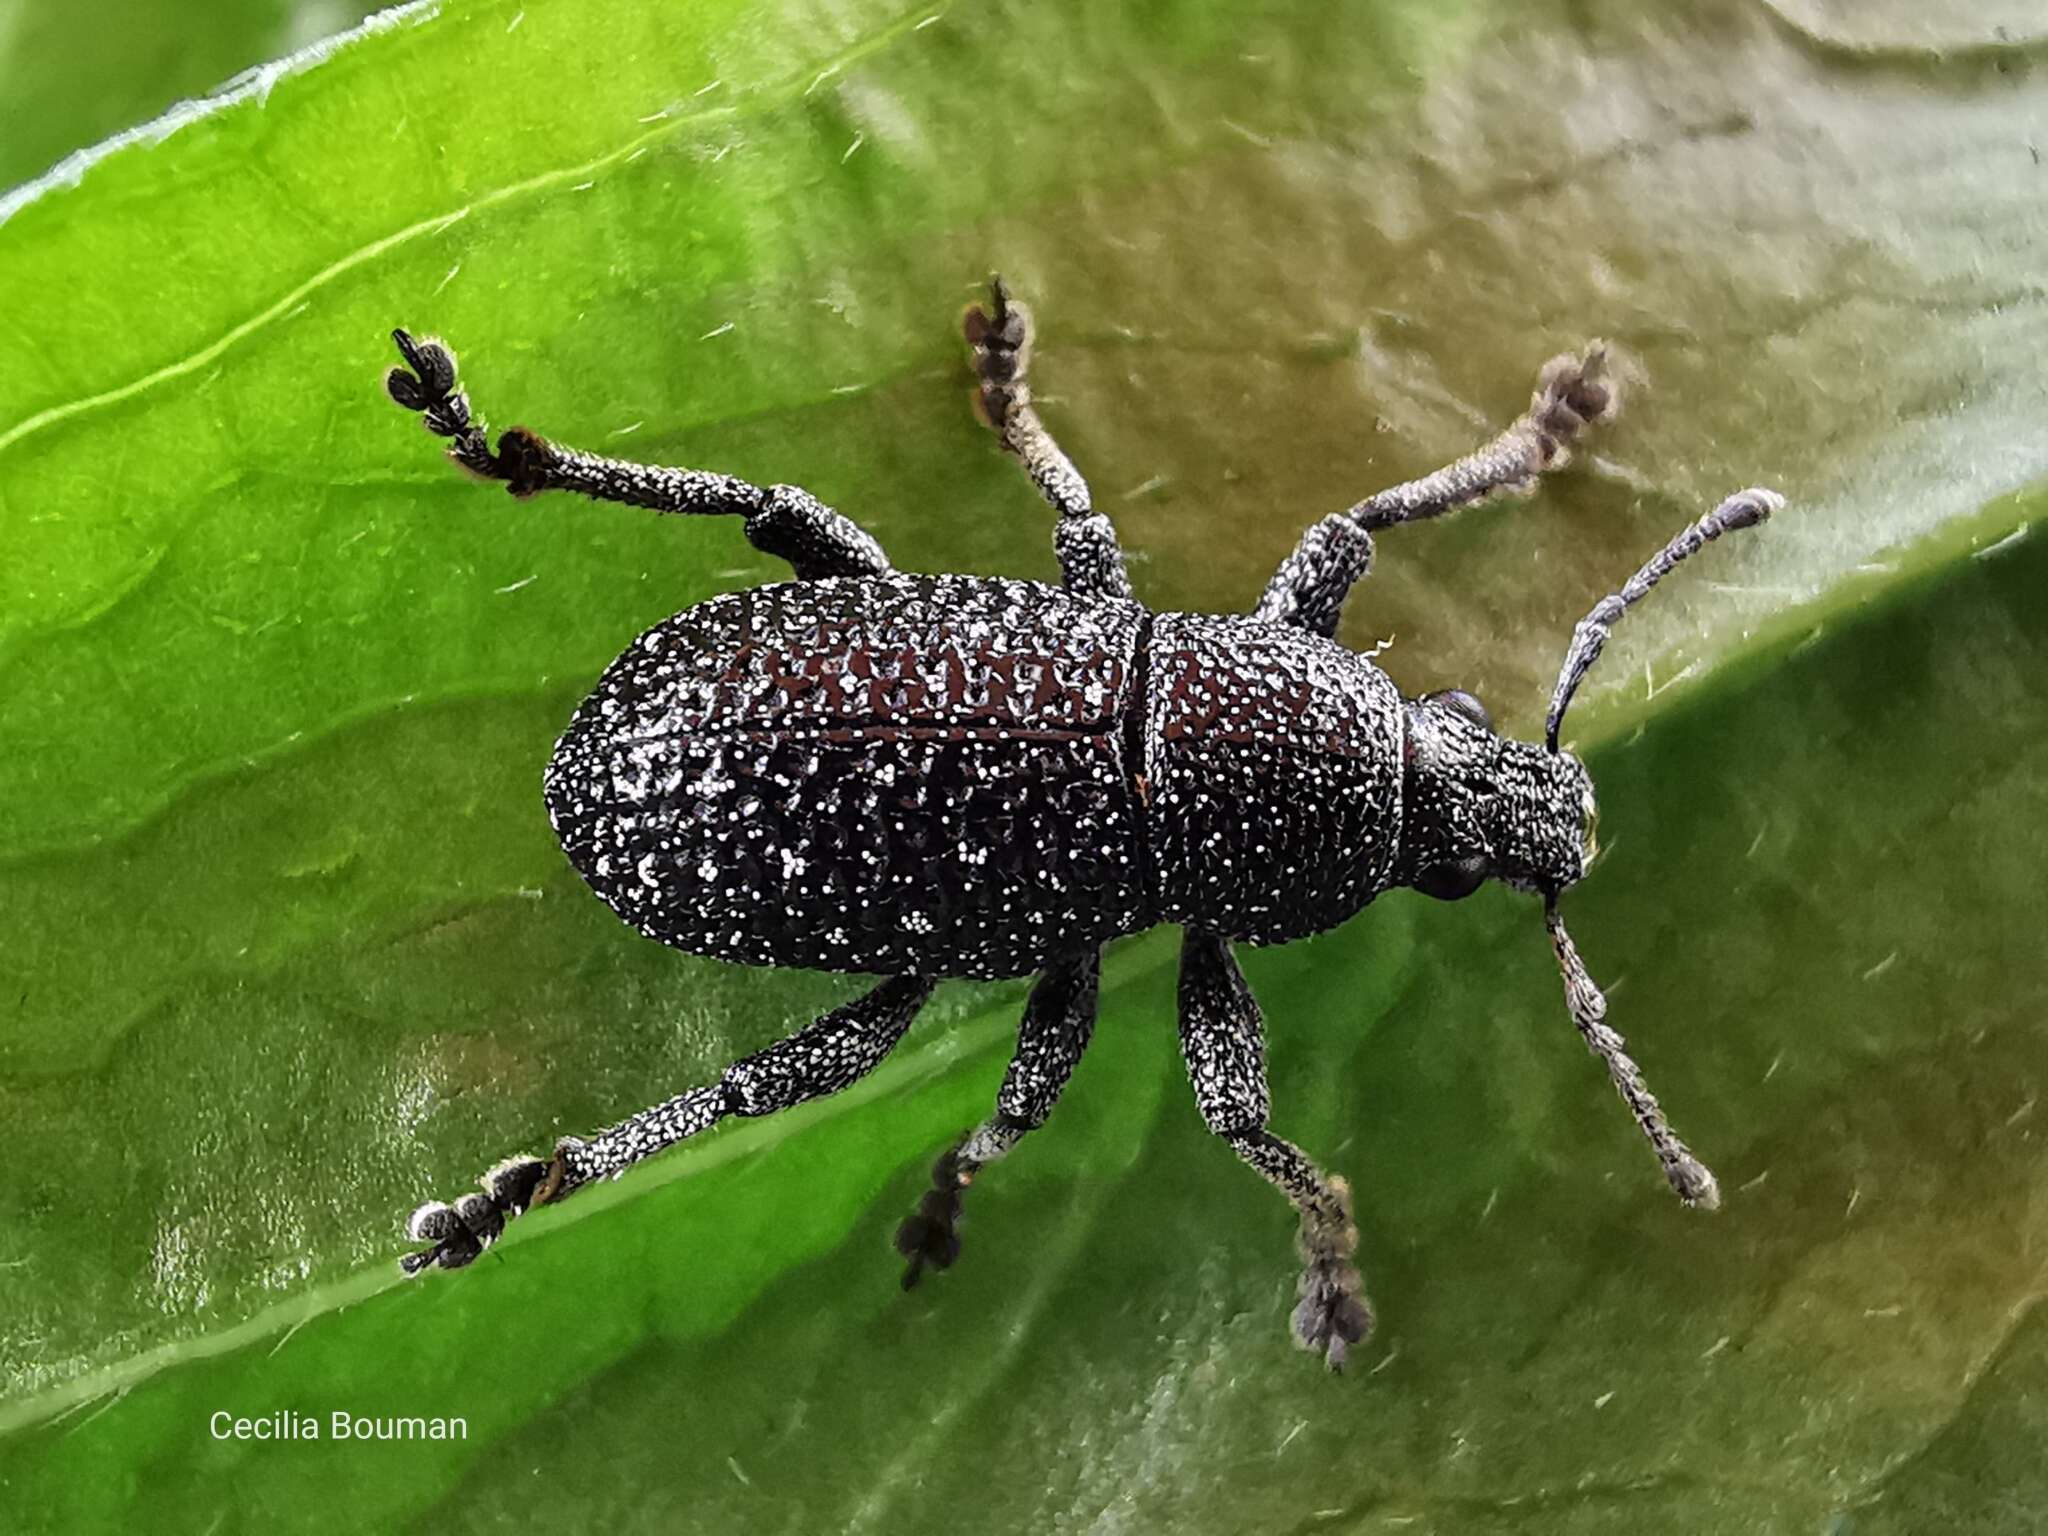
point(1687, 1175)
point(1745, 509)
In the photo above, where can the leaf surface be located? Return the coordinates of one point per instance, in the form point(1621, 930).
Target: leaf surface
point(294, 948)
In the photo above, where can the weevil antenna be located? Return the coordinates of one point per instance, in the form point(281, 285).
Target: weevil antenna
point(1687, 1175)
point(1745, 509)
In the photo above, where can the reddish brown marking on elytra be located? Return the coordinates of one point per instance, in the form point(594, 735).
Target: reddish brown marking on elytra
point(1050, 689)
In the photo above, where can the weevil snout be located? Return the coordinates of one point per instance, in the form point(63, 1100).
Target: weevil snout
point(1480, 807)
point(1546, 820)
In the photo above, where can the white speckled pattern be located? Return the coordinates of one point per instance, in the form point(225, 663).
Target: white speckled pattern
point(879, 774)
point(1274, 763)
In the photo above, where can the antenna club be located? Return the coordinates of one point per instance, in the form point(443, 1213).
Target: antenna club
point(1745, 509)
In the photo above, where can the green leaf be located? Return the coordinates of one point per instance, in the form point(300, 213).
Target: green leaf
point(70, 73)
point(293, 948)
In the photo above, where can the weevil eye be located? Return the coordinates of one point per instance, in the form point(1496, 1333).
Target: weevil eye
point(1455, 879)
point(1458, 701)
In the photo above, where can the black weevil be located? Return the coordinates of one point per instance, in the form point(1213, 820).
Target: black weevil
point(930, 776)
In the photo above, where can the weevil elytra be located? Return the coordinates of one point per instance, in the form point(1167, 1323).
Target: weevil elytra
point(929, 776)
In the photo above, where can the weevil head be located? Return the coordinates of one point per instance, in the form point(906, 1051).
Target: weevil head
point(1479, 807)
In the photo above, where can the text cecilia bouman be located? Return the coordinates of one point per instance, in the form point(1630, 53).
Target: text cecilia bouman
point(338, 1425)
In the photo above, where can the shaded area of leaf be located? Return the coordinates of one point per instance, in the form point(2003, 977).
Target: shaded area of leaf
point(74, 71)
point(1983, 1473)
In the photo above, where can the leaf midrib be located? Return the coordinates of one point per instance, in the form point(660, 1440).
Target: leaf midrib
point(762, 99)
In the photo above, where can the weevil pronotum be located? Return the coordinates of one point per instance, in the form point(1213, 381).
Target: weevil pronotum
point(929, 776)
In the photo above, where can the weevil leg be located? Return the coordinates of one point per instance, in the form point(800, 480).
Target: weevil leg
point(1573, 392)
point(782, 520)
point(1223, 1042)
point(829, 1054)
point(1309, 589)
point(1057, 1024)
point(1084, 538)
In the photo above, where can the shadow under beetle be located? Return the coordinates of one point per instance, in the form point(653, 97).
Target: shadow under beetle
point(930, 776)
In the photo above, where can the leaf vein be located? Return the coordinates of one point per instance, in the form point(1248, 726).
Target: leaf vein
point(788, 88)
